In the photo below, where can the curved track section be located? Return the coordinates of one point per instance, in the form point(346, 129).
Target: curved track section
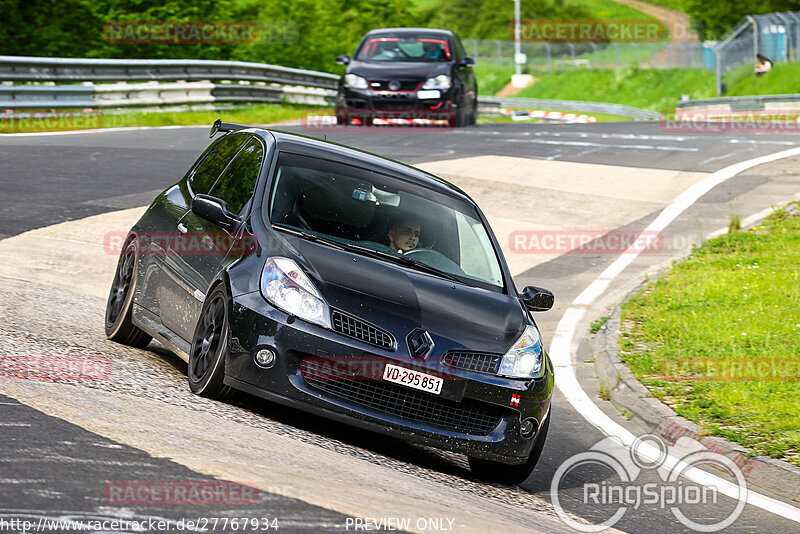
point(65, 193)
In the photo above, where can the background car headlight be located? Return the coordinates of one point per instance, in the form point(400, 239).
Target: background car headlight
point(355, 82)
point(441, 82)
point(526, 358)
point(285, 286)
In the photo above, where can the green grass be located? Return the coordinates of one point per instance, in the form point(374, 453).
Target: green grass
point(598, 324)
point(255, 114)
point(491, 78)
point(603, 9)
point(676, 5)
point(653, 89)
point(784, 78)
point(697, 336)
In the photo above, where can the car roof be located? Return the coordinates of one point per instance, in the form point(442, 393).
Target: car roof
point(323, 149)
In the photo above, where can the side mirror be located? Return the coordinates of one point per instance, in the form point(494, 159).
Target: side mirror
point(467, 62)
point(215, 210)
point(537, 298)
point(344, 59)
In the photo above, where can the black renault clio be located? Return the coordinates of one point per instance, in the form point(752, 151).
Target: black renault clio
point(345, 284)
point(410, 73)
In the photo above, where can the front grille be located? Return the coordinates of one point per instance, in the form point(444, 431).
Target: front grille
point(473, 361)
point(383, 85)
point(361, 330)
point(407, 404)
point(394, 105)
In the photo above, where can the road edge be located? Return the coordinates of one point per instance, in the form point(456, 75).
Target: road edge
point(634, 400)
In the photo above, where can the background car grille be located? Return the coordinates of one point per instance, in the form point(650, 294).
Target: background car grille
point(394, 105)
point(405, 85)
point(408, 404)
point(473, 361)
point(361, 330)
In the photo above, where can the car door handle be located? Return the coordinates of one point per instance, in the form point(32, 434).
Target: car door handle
point(182, 228)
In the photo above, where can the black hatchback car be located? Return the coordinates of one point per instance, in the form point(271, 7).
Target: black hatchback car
point(344, 284)
point(409, 73)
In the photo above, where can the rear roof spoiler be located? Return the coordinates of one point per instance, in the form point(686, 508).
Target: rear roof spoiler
point(220, 126)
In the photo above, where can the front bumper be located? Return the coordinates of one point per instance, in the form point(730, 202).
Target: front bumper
point(355, 103)
point(374, 404)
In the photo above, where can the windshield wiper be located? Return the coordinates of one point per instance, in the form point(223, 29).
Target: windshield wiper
point(405, 260)
point(308, 236)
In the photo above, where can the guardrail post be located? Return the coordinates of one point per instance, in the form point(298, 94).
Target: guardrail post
point(549, 59)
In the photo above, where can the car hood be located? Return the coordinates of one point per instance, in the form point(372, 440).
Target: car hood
point(400, 299)
point(411, 70)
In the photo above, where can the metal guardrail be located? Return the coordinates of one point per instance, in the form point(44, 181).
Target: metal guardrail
point(115, 95)
point(201, 82)
point(492, 105)
point(38, 69)
point(744, 103)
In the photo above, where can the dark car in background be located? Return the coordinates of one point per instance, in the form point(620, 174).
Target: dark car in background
point(410, 73)
point(344, 284)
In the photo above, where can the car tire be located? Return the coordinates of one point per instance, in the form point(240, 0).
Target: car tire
point(119, 326)
point(210, 348)
point(473, 116)
point(511, 474)
point(459, 118)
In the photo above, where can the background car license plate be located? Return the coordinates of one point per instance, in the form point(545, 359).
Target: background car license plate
point(412, 379)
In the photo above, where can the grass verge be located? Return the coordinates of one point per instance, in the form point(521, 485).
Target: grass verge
point(718, 337)
point(784, 78)
point(653, 89)
point(77, 120)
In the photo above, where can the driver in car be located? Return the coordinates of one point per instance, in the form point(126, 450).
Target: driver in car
point(404, 236)
point(432, 51)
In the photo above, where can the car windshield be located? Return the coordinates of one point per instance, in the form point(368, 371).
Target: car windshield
point(412, 48)
point(386, 217)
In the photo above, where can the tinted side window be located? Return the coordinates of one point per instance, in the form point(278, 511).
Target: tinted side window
point(216, 160)
point(236, 185)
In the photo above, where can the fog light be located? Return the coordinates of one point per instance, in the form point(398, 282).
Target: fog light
point(265, 358)
point(528, 427)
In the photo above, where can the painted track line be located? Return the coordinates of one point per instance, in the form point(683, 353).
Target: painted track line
point(561, 346)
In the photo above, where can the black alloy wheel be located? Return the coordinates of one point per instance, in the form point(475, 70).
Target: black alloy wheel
point(209, 348)
point(119, 326)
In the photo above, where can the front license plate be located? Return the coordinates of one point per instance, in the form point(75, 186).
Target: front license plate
point(412, 379)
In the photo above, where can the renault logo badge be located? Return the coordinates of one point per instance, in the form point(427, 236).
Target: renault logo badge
point(420, 343)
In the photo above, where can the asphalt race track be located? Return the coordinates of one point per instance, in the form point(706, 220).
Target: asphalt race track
point(64, 443)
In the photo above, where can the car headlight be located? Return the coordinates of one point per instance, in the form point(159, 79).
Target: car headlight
point(285, 286)
point(526, 358)
point(441, 82)
point(355, 82)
